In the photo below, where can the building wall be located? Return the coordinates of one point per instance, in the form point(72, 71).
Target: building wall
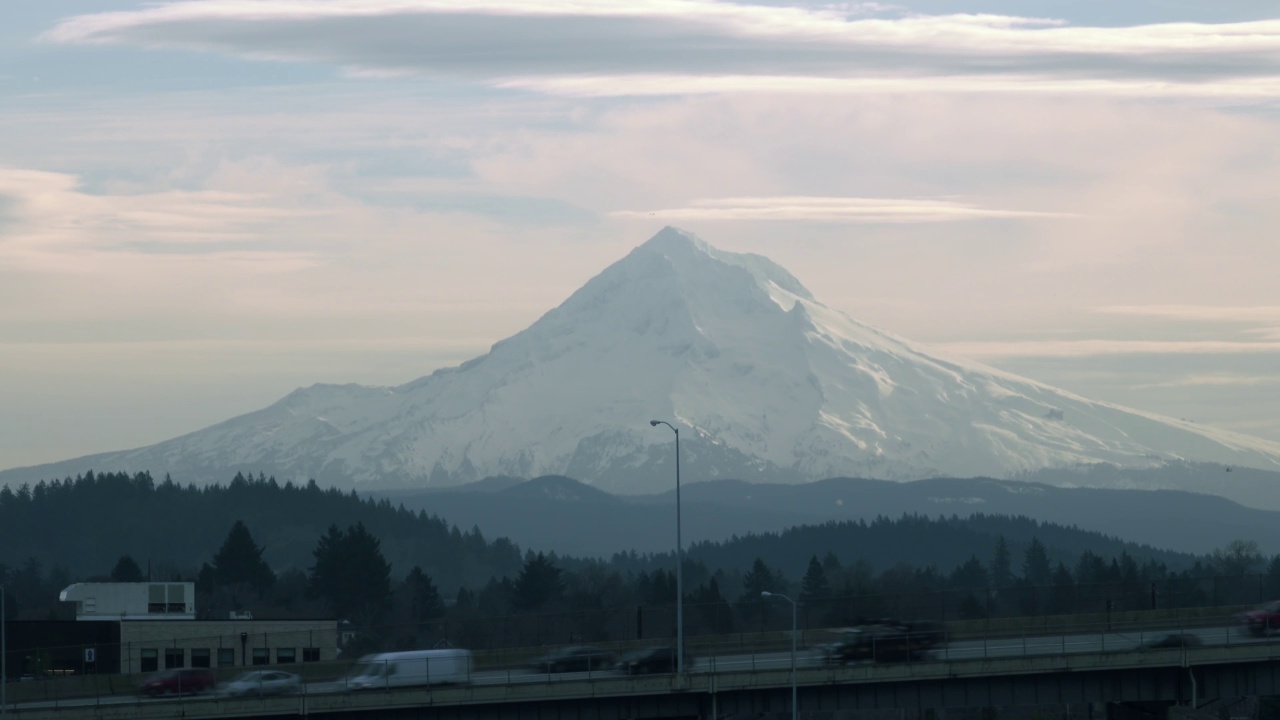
point(147, 645)
point(41, 648)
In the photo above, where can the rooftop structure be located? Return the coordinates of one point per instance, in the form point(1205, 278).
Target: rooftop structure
point(132, 601)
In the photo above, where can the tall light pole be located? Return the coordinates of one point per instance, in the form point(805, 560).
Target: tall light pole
point(4, 656)
point(679, 557)
point(794, 632)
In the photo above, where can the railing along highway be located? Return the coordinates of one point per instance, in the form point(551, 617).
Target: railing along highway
point(709, 657)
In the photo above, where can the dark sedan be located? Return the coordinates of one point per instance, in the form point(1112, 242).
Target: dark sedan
point(650, 660)
point(576, 658)
point(1173, 640)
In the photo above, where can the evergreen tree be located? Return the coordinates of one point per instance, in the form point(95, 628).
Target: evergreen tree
point(1001, 564)
point(970, 576)
point(831, 564)
point(814, 586)
point(1271, 583)
point(239, 561)
point(350, 574)
point(424, 599)
point(1035, 566)
point(127, 571)
point(1090, 569)
point(539, 583)
point(1062, 599)
point(1128, 568)
point(758, 580)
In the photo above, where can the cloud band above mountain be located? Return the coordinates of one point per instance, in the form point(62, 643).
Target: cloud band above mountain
point(831, 209)
point(559, 46)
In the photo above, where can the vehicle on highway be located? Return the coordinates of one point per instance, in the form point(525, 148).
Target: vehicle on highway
point(886, 641)
point(1172, 640)
point(650, 660)
point(263, 682)
point(574, 658)
point(452, 666)
point(1262, 619)
point(181, 681)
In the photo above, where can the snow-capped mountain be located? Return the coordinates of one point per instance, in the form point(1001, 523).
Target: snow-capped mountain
point(766, 382)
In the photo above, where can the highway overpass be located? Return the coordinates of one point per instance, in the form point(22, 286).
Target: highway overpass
point(1042, 671)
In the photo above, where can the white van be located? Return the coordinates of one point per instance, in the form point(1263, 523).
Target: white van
point(415, 667)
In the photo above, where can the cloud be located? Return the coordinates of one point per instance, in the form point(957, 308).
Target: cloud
point(1192, 381)
point(829, 209)
point(1086, 348)
point(1211, 313)
point(56, 226)
point(1231, 89)
point(600, 47)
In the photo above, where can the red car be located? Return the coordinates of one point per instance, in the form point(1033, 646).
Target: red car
point(185, 681)
point(1262, 619)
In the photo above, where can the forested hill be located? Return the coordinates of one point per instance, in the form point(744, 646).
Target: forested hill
point(85, 524)
point(914, 540)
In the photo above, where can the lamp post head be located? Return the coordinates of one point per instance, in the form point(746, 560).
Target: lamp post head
point(766, 593)
point(654, 423)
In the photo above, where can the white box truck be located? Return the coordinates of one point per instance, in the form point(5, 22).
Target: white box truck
point(415, 667)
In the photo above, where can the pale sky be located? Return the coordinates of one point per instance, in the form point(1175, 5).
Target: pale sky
point(206, 204)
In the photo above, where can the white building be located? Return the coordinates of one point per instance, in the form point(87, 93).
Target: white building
point(132, 601)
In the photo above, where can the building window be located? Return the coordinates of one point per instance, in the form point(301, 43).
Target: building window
point(150, 660)
point(226, 657)
point(200, 657)
point(177, 599)
point(310, 654)
point(261, 656)
point(174, 657)
point(155, 599)
point(286, 655)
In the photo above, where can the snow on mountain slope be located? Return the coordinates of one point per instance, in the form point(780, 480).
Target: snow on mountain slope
point(771, 384)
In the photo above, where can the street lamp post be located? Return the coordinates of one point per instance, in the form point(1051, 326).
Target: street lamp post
point(679, 557)
point(4, 656)
point(794, 632)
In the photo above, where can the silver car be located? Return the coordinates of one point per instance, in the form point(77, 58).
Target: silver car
point(264, 682)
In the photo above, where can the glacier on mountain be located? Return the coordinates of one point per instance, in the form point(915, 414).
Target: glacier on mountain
point(767, 383)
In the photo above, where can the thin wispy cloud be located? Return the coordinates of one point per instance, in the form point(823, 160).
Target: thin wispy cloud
point(1238, 314)
point(1088, 348)
point(596, 47)
point(1192, 381)
point(829, 209)
point(55, 226)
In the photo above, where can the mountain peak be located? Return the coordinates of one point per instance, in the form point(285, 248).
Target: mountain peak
point(685, 250)
point(769, 383)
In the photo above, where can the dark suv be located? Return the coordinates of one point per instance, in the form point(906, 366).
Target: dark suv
point(184, 681)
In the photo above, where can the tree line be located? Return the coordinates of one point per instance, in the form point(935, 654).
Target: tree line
point(465, 589)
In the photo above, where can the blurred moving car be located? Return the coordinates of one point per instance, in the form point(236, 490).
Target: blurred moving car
point(1262, 619)
point(575, 658)
point(182, 681)
point(886, 641)
point(650, 660)
point(1172, 640)
point(264, 682)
